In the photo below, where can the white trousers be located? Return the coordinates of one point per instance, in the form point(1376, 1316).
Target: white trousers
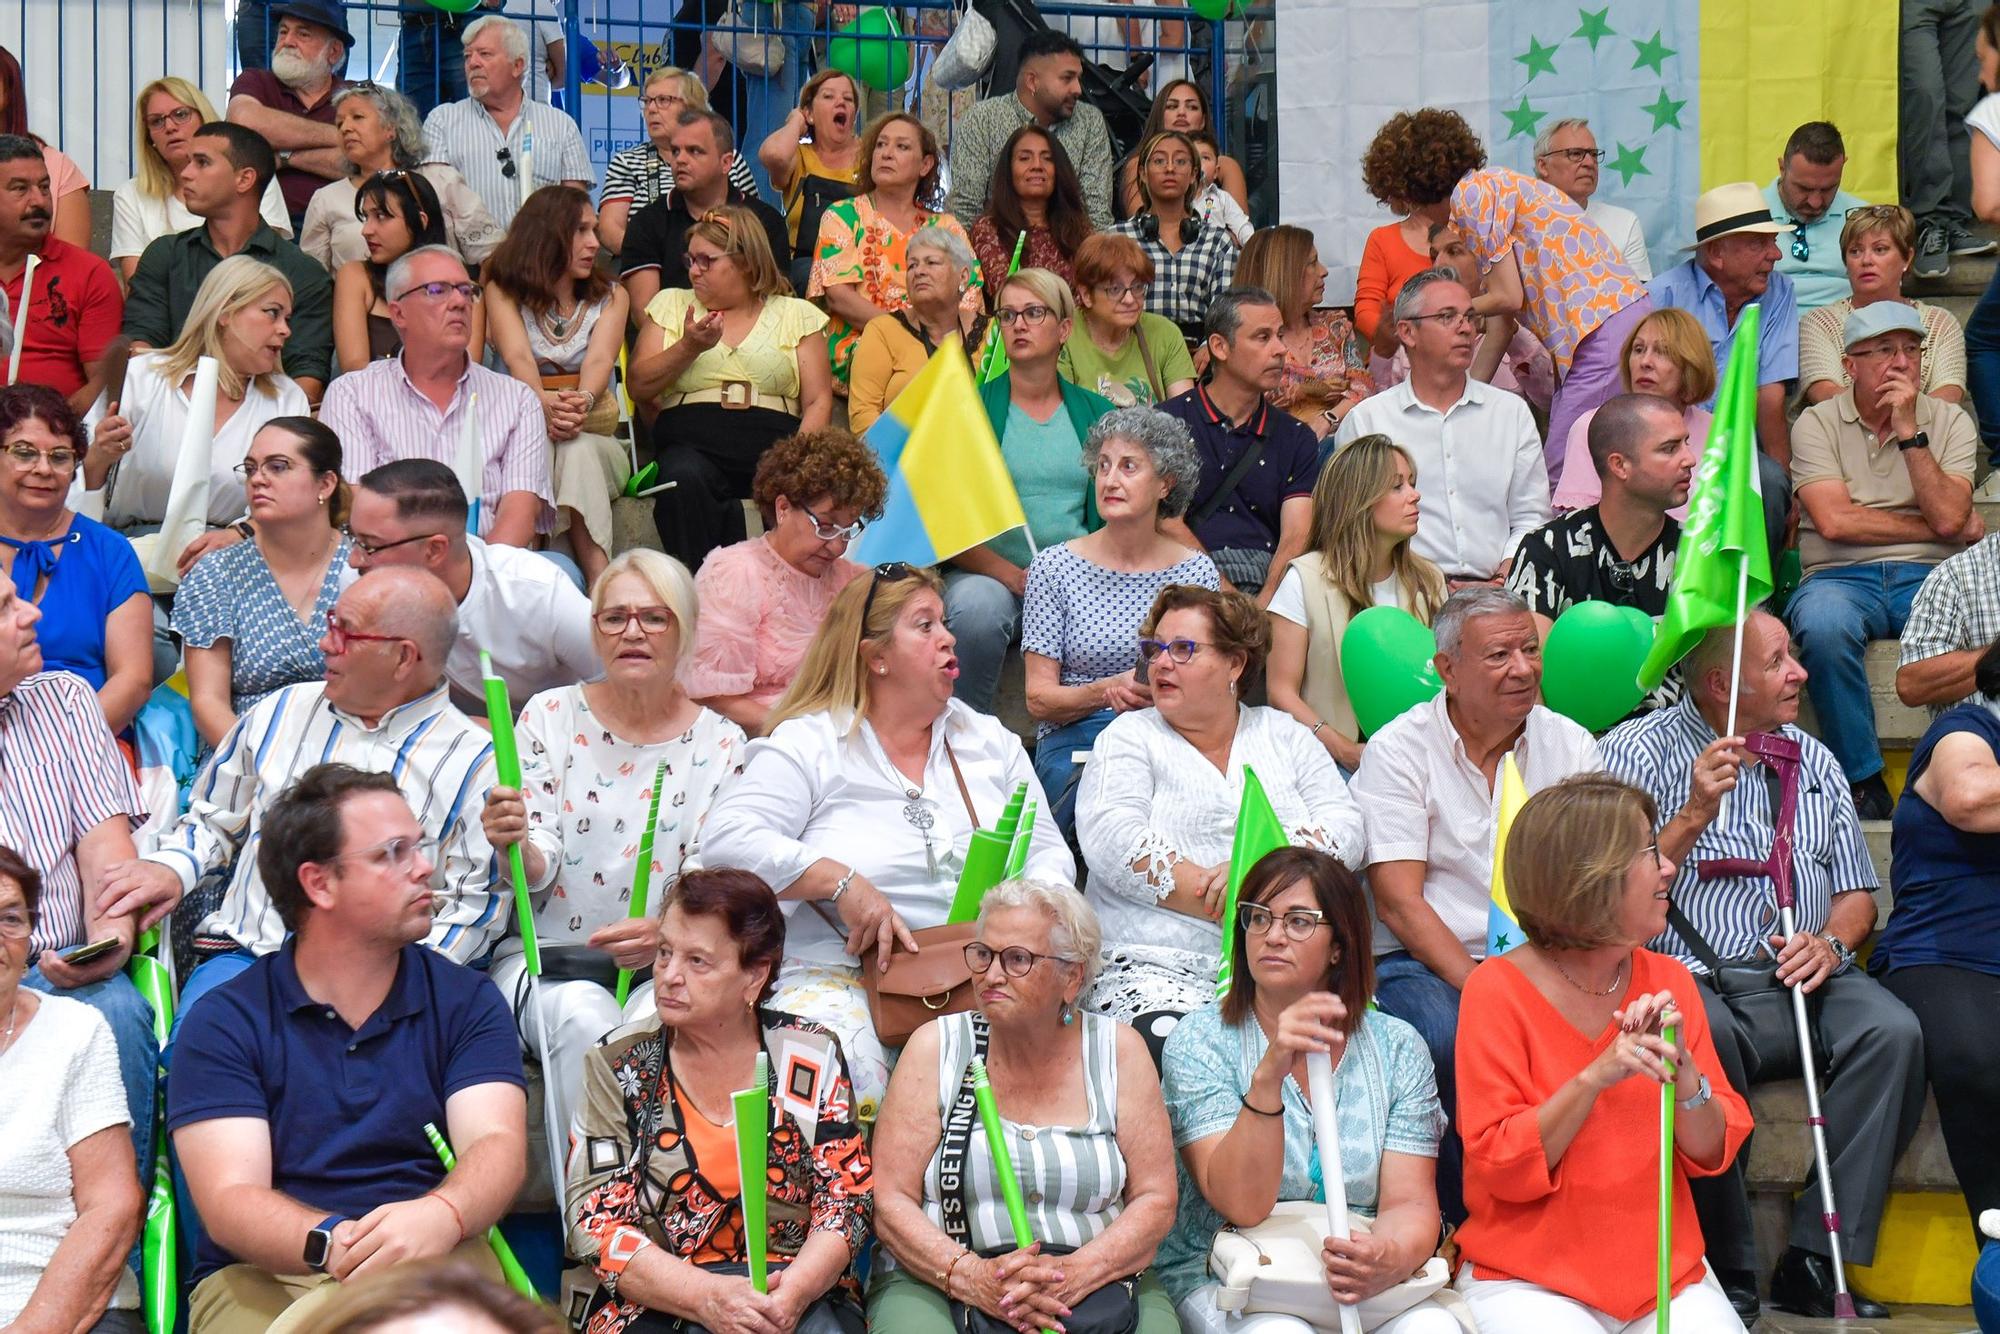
point(1199, 1315)
point(1509, 1306)
point(577, 1015)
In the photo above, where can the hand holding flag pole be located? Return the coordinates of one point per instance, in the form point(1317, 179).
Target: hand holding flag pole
point(21, 315)
point(510, 1266)
point(1326, 1136)
point(642, 873)
point(753, 1140)
point(1003, 1156)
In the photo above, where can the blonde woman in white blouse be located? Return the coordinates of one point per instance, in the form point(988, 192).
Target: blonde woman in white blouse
point(1156, 813)
point(590, 756)
point(859, 805)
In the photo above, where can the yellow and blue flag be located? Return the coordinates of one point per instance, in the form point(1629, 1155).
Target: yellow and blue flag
point(949, 489)
point(1503, 933)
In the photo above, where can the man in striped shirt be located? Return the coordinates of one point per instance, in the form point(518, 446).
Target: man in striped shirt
point(1716, 802)
point(383, 707)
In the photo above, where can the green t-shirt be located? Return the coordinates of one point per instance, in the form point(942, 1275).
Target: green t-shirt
point(1122, 378)
point(1045, 459)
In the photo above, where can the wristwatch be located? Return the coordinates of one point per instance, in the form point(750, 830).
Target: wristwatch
point(319, 1242)
point(284, 157)
point(1921, 440)
point(1700, 1098)
point(1841, 953)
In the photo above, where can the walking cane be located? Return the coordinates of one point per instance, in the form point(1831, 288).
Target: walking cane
point(1781, 755)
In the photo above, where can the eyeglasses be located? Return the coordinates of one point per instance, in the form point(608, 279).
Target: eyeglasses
point(1032, 315)
point(697, 263)
point(892, 571)
point(1449, 318)
point(1576, 157)
point(1899, 349)
point(439, 291)
point(1300, 923)
point(25, 457)
point(19, 924)
point(372, 549)
point(652, 620)
point(395, 854)
point(829, 532)
point(1180, 650)
point(274, 467)
point(1119, 291)
point(1659, 859)
point(654, 101)
point(506, 159)
point(178, 116)
point(1015, 961)
point(338, 636)
point(1624, 577)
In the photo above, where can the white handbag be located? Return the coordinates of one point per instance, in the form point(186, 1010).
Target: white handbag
point(1274, 1268)
point(967, 54)
point(758, 52)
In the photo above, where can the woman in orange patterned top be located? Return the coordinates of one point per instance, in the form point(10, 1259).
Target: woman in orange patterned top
point(655, 1200)
point(1546, 264)
point(859, 272)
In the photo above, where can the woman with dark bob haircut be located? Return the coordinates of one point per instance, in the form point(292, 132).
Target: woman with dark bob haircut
point(655, 1198)
point(1546, 265)
point(1302, 973)
point(1562, 1053)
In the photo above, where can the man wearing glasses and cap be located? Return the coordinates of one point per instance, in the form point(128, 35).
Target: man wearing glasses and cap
point(1736, 251)
point(1806, 193)
point(291, 103)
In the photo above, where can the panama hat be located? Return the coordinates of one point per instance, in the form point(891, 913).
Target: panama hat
point(1729, 209)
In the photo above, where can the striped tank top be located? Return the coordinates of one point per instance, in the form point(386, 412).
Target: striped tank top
point(1072, 1178)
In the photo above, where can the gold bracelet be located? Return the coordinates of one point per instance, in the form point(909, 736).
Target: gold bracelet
point(950, 1269)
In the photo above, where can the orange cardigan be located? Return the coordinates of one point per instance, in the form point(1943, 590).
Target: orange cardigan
point(1586, 1229)
point(1387, 262)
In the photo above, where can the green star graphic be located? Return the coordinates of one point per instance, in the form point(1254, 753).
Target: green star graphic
point(1595, 27)
point(1653, 52)
point(1502, 943)
point(1630, 162)
point(1521, 119)
point(1666, 111)
point(1538, 58)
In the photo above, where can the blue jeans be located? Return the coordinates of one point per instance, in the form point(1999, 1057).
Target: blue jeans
point(1982, 366)
point(1058, 773)
point(986, 620)
point(1986, 1286)
point(1833, 616)
point(430, 67)
point(1406, 990)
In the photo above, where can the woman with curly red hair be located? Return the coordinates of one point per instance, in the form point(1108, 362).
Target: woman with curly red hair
point(1546, 264)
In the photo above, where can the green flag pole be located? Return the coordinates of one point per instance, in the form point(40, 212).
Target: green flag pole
point(1663, 1315)
point(642, 874)
point(1003, 1157)
point(753, 1142)
point(986, 860)
point(1257, 832)
point(517, 1277)
point(993, 364)
point(1024, 837)
point(160, 1244)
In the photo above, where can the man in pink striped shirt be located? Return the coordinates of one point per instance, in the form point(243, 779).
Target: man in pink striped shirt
point(414, 405)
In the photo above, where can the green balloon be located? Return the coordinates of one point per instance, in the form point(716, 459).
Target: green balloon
point(1386, 659)
point(882, 65)
point(1211, 9)
point(1591, 661)
point(455, 6)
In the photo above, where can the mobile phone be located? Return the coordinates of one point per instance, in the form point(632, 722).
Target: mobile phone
point(90, 953)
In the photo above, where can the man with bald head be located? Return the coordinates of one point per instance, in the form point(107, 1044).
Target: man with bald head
point(383, 706)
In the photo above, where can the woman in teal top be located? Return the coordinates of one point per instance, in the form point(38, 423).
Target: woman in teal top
point(1041, 421)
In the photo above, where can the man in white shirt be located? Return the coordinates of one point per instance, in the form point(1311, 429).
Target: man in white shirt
point(1429, 781)
point(498, 133)
point(1478, 456)
point(1567, 157)
point(383, 706)
point(517, 606)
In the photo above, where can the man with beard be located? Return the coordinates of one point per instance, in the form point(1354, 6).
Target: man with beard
point(1806, 192)
point(75, 308)
point(1048, 91)
point(291, 103)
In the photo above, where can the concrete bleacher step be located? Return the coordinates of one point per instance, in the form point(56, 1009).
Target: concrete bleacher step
point(1898, 725)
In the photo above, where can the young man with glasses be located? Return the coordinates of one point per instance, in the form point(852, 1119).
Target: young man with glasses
point(383, 705)
point(514, 605)
point(1620, 550)
point(1567, 157)
point(303, 1088)
point(1806, 193)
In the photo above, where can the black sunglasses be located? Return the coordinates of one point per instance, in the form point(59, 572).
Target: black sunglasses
point(892, 570)
point(506, 158)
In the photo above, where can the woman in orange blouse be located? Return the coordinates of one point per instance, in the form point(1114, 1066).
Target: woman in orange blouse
point(1560, 1061)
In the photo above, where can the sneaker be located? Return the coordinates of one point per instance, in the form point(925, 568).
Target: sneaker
point(1989, 490)
point(1933, 251)
point(1964, 242)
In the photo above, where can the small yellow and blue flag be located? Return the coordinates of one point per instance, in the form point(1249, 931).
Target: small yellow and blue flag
point(1503, 933)
point(949, 489)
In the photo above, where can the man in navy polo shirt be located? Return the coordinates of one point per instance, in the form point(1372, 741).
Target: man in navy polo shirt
point(301, 1088)
point(1252, 508)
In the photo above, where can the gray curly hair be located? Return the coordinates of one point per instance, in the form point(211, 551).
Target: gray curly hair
point(406, 144)
point(1074, 935)
point(1167, 443)
point(948, 243)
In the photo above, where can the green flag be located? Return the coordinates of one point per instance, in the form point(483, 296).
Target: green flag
point(1258, 831)
point(1724, 564)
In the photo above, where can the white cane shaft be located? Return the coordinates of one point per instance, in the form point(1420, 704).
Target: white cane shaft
point(556, 1134)
point(1787, 923)
point(1326, 1135)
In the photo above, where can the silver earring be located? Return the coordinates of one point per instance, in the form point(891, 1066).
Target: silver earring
point(1068, 1014)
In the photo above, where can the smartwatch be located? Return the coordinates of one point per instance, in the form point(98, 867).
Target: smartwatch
point(319, 1242)
point(1921, 440)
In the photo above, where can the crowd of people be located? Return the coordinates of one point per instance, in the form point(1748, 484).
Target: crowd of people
point(441, 352)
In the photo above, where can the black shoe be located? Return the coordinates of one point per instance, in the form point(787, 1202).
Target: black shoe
point(1872, 800)
point(1740, 1286)
point(1803, 1285)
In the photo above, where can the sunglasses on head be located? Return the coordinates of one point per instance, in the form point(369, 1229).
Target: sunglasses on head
point(890, 570)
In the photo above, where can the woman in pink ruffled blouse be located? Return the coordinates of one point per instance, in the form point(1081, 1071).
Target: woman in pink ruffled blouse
point(762, 600)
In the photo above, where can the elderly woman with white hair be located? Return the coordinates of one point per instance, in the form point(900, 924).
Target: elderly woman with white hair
point(600, 762)
point(1085, 599)
point(938, 270)
point(1081, 1107)
point(379, 132)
